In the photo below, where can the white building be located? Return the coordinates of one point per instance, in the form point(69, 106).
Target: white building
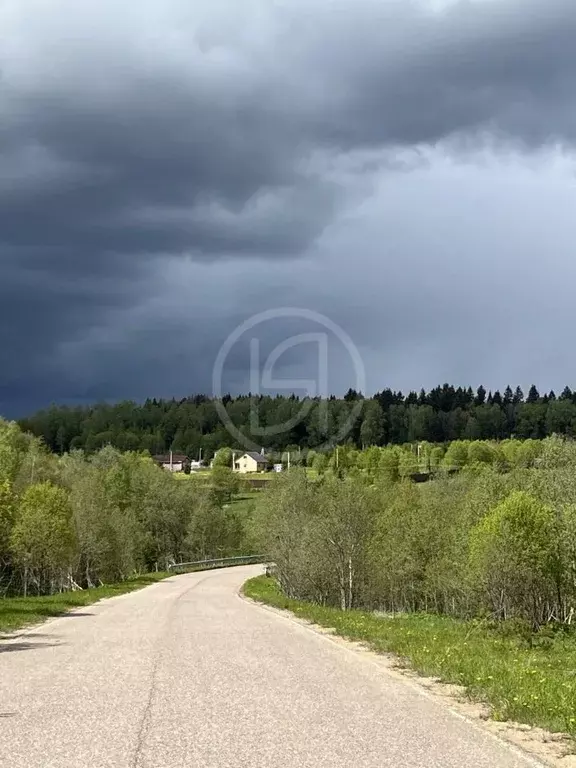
point(250, 462)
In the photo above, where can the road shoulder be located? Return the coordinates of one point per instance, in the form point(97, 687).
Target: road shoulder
point(541, 747)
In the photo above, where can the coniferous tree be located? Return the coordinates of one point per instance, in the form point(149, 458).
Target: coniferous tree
point(480, 398)
point(193, 424)
point(411, 398)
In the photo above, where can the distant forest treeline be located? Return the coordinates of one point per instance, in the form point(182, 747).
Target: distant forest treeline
point(444, 414)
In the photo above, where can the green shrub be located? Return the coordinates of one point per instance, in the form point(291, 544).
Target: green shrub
point(514, 559)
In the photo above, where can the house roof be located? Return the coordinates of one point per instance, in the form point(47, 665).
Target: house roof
point(257, 457)
point(177, 458)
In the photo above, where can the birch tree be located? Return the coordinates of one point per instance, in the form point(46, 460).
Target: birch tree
point(42, 540)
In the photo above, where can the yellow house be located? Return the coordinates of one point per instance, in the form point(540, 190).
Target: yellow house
point(250, 462)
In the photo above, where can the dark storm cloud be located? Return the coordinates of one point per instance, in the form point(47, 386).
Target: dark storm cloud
point(338, 76)
point(408, 77)
point(136, 133)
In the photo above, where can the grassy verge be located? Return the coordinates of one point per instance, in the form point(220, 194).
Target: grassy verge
point(18, 612)
point(528, 683)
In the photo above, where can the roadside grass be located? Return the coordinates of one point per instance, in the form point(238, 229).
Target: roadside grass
point(18, 612)
point(527, 680)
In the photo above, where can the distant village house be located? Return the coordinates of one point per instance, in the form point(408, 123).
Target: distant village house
point(250, 462)
point(173, 462)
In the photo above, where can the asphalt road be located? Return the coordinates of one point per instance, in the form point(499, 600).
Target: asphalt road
point(185, 673)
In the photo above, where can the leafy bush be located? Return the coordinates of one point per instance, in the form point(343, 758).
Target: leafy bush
point(514, 559)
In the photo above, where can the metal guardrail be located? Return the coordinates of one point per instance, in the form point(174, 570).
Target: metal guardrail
point(220, 562)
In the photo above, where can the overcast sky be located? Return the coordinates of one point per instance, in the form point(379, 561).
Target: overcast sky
point(170, 169)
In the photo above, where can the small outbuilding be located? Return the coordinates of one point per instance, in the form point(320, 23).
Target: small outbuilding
point(173, 462)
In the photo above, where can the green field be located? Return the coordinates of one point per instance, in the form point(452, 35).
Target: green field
point(244, 502)
point(201, 474)
point(526, 680)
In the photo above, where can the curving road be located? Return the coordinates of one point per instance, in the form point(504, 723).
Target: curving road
point(186, 674)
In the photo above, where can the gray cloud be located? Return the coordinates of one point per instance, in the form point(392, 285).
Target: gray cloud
point(239, 143)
